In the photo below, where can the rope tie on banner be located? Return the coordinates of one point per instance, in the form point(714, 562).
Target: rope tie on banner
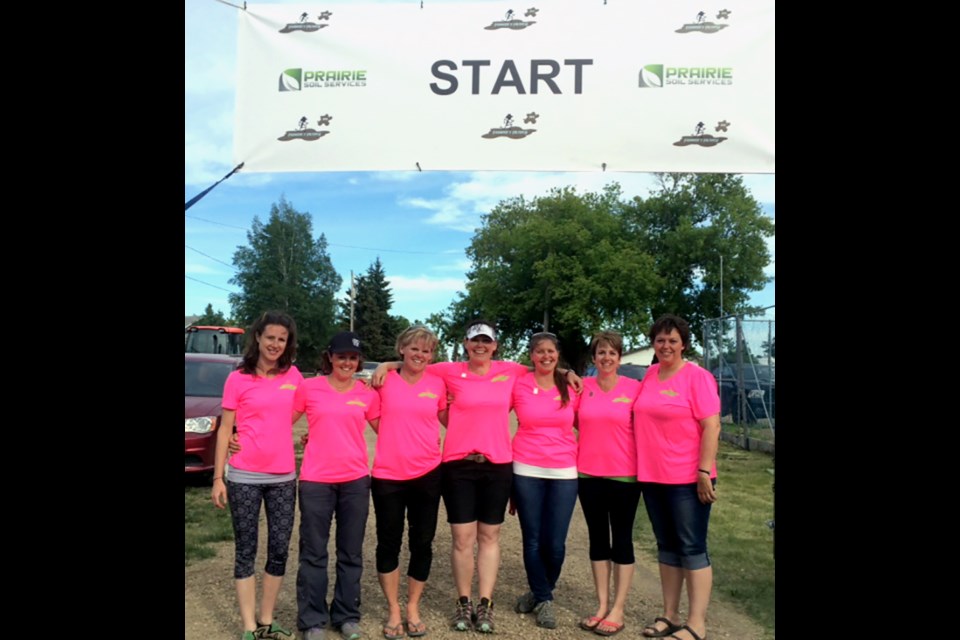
point(418, 166)
point(235, 6)
point(192, 201)
point(604, 165)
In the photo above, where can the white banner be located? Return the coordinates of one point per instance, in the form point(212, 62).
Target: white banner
point(631, 85)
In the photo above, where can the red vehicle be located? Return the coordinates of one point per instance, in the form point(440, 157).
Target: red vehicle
point(206, 339)
point(203, 376)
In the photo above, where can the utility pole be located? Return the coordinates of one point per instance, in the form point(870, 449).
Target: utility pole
point(353, 299)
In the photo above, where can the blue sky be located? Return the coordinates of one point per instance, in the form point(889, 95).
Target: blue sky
point(419, 224)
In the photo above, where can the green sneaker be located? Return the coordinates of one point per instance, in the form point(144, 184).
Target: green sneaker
point(463, 616)
point(272, 631)
point(249, 635)
point(546, 617)
point(484, 622)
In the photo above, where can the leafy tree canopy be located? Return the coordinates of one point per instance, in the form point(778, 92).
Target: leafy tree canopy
point(284, 268)
point(213, 319)
point(574, 264)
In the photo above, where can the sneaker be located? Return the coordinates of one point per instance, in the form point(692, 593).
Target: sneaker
point(315, 633)
point(463, 616)
point(249, 635)
point(351, 631)
point(525, 603)
point(271, 631)
point(484, 621)
point(545, 615)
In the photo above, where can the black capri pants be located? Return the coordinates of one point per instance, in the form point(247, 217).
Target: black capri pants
point(280, 500)
point(609, 507)
point(419, 499)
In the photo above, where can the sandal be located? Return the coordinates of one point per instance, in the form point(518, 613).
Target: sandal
point(608, 628)
point(651, 631)
point(589, 624)
point(393, 633)
point(416, 629)
point(690, 631)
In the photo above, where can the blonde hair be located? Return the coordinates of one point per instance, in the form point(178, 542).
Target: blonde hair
point(415, 334)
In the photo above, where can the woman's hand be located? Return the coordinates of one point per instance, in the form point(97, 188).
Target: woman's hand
point(304, 439)
point(233, 446)
point(705, 489)
point(380, 373)
point(219, 493)
point(575, 381)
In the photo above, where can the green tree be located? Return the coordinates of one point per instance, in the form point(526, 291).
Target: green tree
point(687, 226)
point(285, 268)
point(371, 316)
point(573, 264)
point(561, 263)
point(213, 319)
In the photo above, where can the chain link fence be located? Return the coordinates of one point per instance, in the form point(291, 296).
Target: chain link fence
point(740, 351)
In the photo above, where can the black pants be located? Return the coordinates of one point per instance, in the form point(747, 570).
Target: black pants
point(609, 507)
point(419, 500)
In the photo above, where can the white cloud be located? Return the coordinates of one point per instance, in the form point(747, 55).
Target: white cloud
point(201, 269)
point(421, 284)
point(461, 265)
point(763, 187)
point(465, 200)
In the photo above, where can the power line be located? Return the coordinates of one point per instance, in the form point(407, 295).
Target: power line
point(208, 284)
point(209, 256)
point(232, 226)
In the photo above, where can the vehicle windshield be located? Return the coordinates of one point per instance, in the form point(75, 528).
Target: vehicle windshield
point(206, 379)
point(212, 341)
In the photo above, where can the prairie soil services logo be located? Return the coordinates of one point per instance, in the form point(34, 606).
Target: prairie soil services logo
point(510, 130)
point(702, 139)
point(702, 25)
point(510, 22)
point(306, 133)
point(296, 79)
point(304, 23)
point(657, 76)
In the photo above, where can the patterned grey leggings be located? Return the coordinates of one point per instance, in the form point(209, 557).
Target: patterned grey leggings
point(280, 500)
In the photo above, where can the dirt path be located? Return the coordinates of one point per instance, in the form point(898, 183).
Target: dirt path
point(211, 609)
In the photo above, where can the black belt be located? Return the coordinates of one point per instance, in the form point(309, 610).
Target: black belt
point(476, 457)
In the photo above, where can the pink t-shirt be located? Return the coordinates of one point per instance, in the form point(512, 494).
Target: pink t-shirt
point(264, 409)
point(605, 419)
point(336, 449)
point(544, 435)
point(666, 422)
point(480, 413)
point(408, 445)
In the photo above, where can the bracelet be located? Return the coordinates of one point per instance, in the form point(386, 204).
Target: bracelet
point(705, 471)
point(219, 478)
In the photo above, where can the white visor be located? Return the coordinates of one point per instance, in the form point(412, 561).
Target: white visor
point(481, 330)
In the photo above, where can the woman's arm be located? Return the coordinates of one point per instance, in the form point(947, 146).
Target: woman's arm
point(219, 491)
point(443, 415)
point(375, 425)
point(380, 373)
point(709, 443)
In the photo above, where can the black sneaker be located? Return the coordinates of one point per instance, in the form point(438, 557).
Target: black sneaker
point(463, 616)
point(484, 621)
point(525, 603)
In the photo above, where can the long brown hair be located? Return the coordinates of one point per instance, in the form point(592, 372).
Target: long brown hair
point(559, 380)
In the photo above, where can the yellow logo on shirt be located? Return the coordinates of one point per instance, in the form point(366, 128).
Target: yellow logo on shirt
point(670, 392)
point(427, 394)
point(558, 397)
point(357, 403)
point(622, 399)
point(500, 379)
point(291, 387)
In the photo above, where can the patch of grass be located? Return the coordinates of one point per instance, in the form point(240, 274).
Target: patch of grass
point(755, 431)
point(739, 539)
point(202, 524)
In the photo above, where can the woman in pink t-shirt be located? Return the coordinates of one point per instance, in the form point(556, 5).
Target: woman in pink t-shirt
point(258, 400)
point(406, 476)
point(334, 483)
point(676, 421)
point(477, 472)
point(544, 473)
point(608, 488)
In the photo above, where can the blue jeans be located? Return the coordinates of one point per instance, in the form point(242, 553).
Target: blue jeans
point(679, 522)
point(319, 503)
point(544, 507)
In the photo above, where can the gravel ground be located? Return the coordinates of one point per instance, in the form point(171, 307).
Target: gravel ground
point(211, 608)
